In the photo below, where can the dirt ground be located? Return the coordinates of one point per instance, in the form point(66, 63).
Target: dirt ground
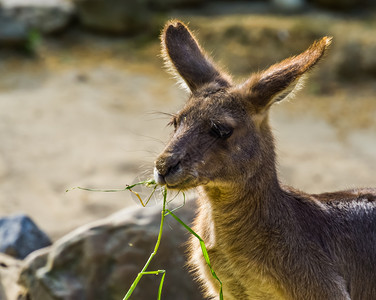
point(87, 118)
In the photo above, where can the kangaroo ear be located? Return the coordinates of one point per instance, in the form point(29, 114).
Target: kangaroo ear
point(184, 57)
point(281, 79)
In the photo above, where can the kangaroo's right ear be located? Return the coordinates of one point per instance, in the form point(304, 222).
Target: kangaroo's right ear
point(184, 57)
point(280, 80)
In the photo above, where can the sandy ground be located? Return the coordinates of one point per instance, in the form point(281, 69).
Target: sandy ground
point(97, 125)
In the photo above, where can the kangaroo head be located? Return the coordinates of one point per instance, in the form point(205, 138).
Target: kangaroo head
point(222, 132)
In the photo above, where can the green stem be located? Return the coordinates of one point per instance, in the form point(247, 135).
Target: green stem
point(161, 286)
point(203, 248)
point(127, 188)
point(143, 271)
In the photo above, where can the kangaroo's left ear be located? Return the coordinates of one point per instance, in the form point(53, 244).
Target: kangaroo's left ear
point(276, 83)
point(185, 58)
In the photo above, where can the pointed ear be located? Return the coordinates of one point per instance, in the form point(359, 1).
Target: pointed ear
point(184, 57)
point(280, 80)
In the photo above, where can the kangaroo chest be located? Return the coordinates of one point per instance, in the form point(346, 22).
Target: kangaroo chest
point(242, 276)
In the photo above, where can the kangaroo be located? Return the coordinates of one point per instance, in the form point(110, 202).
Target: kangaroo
point(265, 240)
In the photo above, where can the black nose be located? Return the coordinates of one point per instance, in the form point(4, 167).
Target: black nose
point(160, 174)
point(159, 178)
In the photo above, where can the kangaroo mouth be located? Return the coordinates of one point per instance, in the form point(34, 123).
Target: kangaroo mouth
point(182, 185)
point(175, 182)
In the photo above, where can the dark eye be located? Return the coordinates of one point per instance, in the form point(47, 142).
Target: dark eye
point(220, 131)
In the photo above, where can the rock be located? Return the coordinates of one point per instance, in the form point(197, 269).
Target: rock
point(126, 17)
point(45, 16)
point(349, 62)
point(12, 32)
point(357, 60)
point(340, 5)
point(369, 59)
point(114, 16)
point(101, 260)
point(168, 4)
point(19, 236)
point(9, 273)
point(35, 261)
point(289, 5)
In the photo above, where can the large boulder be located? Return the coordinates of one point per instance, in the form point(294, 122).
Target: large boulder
point(101, 260)
point(115, 16)
point(9, 273)
point(19, 236)
point(289, 5)
point(357, 60)
point(12, 32)
point(341, 4)
point(168, 4)
point(124, 16)
point(44, 16)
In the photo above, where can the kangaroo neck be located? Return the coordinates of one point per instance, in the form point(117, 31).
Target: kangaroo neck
point(251, 201)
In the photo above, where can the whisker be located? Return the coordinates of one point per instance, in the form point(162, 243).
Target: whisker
point(156, 112)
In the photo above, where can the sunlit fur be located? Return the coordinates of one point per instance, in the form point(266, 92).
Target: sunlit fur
point(265, 240)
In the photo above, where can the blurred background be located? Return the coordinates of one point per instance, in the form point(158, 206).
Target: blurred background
point(83, 91)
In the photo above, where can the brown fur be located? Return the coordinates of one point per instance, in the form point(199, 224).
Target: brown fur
point(265, 240)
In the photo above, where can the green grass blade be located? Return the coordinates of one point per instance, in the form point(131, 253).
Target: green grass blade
point(203, 248)
point(143, 271)
point(161, 286)
point(127, 188)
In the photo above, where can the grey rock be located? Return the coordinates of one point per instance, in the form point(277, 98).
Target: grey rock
point(369, 59)
point(28, 275)
point(101, 260)
point(19, 236)
point(168, 4)
point(348, 65)
point(289, 5)
point(12, 32)
point(339, 4)
point(9, 273)
point(45, 16)
point(357, 60)
point(115, 16)
point(126, 17)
